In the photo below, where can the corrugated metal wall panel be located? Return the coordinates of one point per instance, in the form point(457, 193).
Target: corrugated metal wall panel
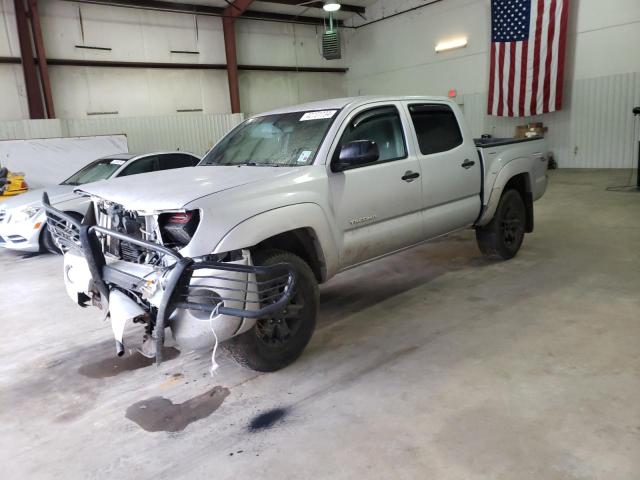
point(192, 133)
point(595, 130)
point(474, 107)
point(23, 129)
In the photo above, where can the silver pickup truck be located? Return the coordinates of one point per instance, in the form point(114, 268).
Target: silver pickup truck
point(233, 250)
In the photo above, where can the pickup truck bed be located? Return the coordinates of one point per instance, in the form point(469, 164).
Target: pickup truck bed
point(499, 142)
point(501, 159)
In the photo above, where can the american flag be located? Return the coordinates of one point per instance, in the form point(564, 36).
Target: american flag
point(528, 39)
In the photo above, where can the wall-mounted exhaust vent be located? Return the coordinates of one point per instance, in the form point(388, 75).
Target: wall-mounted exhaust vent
point(331, 45)
point(331, 39)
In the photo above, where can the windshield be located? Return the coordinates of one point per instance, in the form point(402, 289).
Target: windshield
point(98, 170)
point(287, 139)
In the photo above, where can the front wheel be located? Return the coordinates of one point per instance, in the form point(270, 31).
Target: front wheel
point(47, 244)
point(275, 342)
point(502, 237)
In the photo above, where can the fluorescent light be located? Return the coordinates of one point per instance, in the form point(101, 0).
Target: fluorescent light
point(451, 44)
point(331, 6)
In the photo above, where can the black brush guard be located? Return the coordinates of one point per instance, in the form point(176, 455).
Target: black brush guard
point(273, 291)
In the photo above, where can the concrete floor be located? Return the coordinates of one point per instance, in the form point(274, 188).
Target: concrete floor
point(433, 363)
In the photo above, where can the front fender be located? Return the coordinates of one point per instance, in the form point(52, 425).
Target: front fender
point(506, 173)
point(78, 205)
point(281, 220)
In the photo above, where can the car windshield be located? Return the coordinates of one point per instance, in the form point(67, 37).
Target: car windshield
point(98, 170)
point(281, 140)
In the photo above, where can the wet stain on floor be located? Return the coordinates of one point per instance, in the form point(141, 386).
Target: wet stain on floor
point(112, 366)
point(159, 414)
point(267, 419)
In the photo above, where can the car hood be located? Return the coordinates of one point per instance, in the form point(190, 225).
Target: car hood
point(173, 189)
point(57, 194)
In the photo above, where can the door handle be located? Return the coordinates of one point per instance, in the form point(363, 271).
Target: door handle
point(468, 164)
point(410, 176)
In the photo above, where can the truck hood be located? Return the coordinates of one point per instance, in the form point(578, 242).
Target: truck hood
point(57, 194)
point(173, 189)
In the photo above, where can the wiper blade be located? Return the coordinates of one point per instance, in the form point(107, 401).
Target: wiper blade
point(260, 164)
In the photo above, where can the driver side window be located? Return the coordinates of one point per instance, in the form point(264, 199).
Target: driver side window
point(383, 126)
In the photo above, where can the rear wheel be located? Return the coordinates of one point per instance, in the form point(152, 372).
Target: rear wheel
point(275, 342)
point(503, 236)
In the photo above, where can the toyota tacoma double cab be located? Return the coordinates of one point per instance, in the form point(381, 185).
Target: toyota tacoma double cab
point(233, 250)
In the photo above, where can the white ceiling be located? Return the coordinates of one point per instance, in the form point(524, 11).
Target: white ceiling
point(285, 9)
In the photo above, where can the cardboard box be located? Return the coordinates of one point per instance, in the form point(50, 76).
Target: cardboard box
point(521, 131)
point(532, 129)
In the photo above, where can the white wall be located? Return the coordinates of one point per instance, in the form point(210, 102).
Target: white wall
point(263, 91)
point(13, 102)
point(602, 82)
point(78, 91)
point(149, 36)
point(195, 133)
point(397, 55)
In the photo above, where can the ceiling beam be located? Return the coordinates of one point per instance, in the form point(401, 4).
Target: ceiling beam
point(164, 6)
point(344, 7)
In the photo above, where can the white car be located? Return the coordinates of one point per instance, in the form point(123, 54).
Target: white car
point(233, 249)
point(22, 218)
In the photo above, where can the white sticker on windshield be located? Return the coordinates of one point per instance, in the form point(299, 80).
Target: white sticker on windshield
point(304, 156)
point(321, 115)
point(117, 162)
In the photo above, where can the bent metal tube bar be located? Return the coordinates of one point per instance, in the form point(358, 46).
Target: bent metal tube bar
point(274, 293)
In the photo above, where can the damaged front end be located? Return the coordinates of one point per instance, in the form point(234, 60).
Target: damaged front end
point(128, 266)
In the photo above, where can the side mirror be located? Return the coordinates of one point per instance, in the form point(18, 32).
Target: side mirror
point(356, 153)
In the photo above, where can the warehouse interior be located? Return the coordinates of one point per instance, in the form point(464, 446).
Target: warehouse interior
point(432, 362)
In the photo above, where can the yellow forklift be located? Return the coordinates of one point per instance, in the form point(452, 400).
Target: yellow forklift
point(11, 183)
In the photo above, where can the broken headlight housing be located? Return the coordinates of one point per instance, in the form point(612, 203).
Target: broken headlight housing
point(178, 228)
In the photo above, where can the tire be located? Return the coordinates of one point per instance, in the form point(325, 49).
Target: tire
point(46, 240)
point(502, 237)
point(274, 343)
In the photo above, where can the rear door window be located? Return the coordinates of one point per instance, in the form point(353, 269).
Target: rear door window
point(143, 165)
point(436, 128)
point(177, 160)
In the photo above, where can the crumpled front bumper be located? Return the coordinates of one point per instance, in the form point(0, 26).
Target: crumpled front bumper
point(195, 297)
point(191, 328)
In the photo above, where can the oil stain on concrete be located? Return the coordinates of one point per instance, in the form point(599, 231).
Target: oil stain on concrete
point(267, 419)
point(159, 414)
point(112, 366)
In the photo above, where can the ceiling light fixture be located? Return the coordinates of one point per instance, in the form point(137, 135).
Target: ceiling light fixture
point(451, 44)
point(330, 6)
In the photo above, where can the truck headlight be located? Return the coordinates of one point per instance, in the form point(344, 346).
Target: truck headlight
point(25, 214)
point(178, 228)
